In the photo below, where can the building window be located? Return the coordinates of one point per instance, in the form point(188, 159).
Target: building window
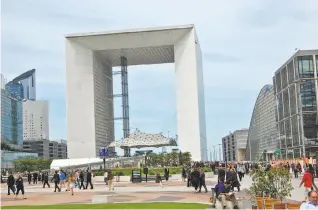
point(305, 66)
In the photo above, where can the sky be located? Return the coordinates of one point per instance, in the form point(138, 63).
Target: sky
point(243, 43)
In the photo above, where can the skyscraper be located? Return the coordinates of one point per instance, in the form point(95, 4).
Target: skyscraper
point(35, 120)
point(24, 85)
point(11, 119)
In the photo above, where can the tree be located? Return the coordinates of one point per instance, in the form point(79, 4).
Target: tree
point(32, 164)
point(273, 183)
point(186, 159)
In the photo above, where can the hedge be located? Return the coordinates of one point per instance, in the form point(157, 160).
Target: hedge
point(151, 171)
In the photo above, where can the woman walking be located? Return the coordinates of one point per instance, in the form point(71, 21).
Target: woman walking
point(20, 186)
point(71, 182)
point(158, 178)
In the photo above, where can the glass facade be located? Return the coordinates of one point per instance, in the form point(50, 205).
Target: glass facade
point(296, 95)
point(262, 135)
point(11, 118)
point(7, 157)
point(24, 85)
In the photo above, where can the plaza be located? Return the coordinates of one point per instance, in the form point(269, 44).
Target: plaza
point(126, 192)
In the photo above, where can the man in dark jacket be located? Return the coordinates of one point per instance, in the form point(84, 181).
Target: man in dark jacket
point(46, 179)
point(195, 178)
point(81, 177)
point(221, 175)
point(202, 180)
point(56, 178)
point(89, 179)
point(29, 177)
point(167, 174)
point(10, 182)
point(35, 178)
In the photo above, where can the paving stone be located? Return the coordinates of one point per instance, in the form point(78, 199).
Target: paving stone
point(166, 198)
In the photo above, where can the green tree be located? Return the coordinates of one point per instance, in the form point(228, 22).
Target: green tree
point(32, 164)
point(186, 158)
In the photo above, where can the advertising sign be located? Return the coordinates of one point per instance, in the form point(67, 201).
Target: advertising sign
point(136, 175)
point(103, 152)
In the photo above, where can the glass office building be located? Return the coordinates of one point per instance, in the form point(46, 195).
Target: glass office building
point(7, 157)
point(23, 85)
point(11, 119)
point(262, 136)
point(295, 89)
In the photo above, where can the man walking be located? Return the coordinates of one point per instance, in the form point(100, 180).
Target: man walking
point(89, 179)
point(45, 179)
point(307, 181)
point(56, 178)
point(202, 180)
point(10, 182)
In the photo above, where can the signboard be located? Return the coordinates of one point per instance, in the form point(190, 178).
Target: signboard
point(103, 152)
point(136, 175)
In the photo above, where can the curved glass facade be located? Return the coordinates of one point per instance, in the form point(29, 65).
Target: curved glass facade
point(262, 135)
point(23, 85)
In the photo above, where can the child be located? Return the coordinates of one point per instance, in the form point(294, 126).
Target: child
point(71, 182)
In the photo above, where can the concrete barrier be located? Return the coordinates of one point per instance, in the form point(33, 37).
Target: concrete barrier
point(102, 199)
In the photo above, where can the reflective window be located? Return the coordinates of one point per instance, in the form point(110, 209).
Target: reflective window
point(288, 133)
point(278, 82)
point(295, 133)
point(284, 77)
point(305, 66)
point(293, 99)
point(317, 64)
point(308, 95)
point(286, 103)
point(310, 125)
point(280, 106)
point(297, 153)
point(290, 70)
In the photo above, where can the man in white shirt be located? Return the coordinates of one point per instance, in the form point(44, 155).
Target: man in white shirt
point(313, 201)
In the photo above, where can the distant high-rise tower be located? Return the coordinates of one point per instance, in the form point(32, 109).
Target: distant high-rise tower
point(24, 85)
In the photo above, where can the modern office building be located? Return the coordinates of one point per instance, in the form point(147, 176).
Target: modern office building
point(58, 148)
point(262, 136)
point(90, 59)
point(2, 81)
point(295, 88)
point(234, 145)
point(7, 158)
point(46, 148)
point(24, 85)
point(35, 120)
point(11, 119)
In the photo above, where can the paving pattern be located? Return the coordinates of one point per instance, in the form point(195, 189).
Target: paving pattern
point(172, 191)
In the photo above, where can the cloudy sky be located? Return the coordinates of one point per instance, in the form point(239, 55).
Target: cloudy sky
point(243, 42)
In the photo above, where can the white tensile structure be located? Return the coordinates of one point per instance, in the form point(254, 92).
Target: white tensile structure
point(89, 61)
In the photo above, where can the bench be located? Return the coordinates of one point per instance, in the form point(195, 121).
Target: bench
point(229, 203)
point(102, 199)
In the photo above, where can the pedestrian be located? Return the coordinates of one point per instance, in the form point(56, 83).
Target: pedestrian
point(158, 178)
point(35, 178)
point(183, 174)
point(62, 179)
point(56, 178)
point(202, 180)
point(110, 177)
point(71, 181)
point(20, 186)
point(89, 179)
point(166, 173)
point(29, 177)
point(81, 177)
point(307, 181)
point(10, 183)
point(46, 179)
point(106, 177)
point(312, 201)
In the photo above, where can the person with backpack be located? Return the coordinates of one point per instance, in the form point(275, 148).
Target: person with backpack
point(20, 186)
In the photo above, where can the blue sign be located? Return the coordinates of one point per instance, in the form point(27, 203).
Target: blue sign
point(103, 152)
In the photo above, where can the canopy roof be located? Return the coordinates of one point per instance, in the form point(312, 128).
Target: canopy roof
point(140, 139)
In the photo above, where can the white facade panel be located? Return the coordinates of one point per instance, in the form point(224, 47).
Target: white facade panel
point(89, 85)
point(35, 120)
point(104, 111)
point(80, 101)
point(188, 100)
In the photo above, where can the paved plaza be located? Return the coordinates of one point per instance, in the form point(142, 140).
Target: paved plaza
point(172, 191)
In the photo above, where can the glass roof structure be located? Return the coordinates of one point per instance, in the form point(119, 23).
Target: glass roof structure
point(140, 139)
